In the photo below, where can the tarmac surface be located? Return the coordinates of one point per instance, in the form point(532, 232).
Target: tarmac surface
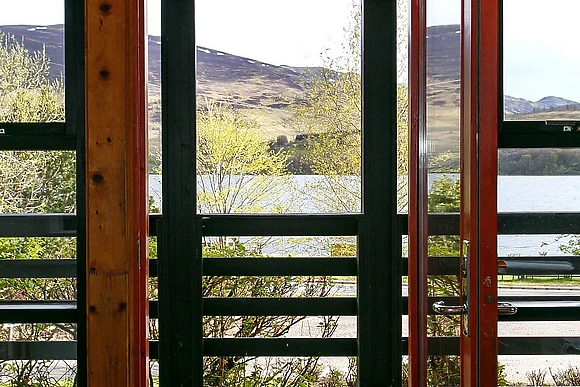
point(516, 367)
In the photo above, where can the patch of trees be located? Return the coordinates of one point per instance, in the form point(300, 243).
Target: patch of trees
point(539, 162)
point(524, 162)
point(295, 152)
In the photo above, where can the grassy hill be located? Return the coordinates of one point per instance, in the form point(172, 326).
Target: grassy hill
point(266, 92)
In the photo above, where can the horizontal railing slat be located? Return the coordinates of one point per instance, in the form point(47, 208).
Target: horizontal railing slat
point(537, 308)
point(534, 308)
point(38, 350)
point(539, 223)
point(331, 306)
point(438, 346)
point(38, 268)
point(38, 312)
point(437, 266)
point(276, 266)
point(49, 225)
point(280, 266)
point(280, 347)
point(532, 311)
point(37, 225)
point(280, 225)
point(508, 223)
point(529, 345)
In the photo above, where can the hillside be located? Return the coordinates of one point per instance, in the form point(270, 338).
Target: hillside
point(266, 91)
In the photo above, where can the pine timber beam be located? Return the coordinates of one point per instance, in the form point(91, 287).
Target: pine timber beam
point(116, 193)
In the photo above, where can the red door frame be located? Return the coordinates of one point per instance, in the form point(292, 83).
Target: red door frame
point(480, 118)
point(417, 227)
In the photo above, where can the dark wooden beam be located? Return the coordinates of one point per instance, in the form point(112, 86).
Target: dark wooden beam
point(379, 255)
point(116, 200)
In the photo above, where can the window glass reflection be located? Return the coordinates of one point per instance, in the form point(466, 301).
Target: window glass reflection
point(32, 61)
point(443, 92)
point(540, 60)
point(278, 106)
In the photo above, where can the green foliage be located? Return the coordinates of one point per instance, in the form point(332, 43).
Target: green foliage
point(539, 162)
point(33, 182)
point(238, 370)
point(443, 197)
point(331, 119)
point(26, 94)
point(501, 375)
point(572, 246)
point(37, 373)
point(443, 371)
point(42, 181)
point(237, 171)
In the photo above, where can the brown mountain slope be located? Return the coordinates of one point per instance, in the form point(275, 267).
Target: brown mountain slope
point(265, 91)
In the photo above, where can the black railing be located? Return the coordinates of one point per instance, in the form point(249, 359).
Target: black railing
point(536, 308)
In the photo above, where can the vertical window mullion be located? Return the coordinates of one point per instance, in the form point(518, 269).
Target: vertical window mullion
point(180, 296)
point(379, 283)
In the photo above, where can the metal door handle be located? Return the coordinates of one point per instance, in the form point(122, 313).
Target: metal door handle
point(506, 309)
point(440, 308)
point(503, 309)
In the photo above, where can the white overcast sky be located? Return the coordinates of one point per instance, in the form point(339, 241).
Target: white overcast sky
point(541, 37)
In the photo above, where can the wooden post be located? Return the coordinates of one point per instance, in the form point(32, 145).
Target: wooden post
point(116, 193)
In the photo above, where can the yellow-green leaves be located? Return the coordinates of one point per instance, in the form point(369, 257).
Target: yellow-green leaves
point(237, 171)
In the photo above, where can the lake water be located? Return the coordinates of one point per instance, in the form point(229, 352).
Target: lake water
point(515, 194)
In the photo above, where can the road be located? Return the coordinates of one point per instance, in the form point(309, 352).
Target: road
point(346, 289)
point(516, 367)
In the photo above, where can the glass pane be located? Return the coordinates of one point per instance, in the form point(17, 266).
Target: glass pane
point(443, 108)
point(539, 270)
point(443, 68)
point(545, 193)
point(37, 181)
point(402, 106)
point(278, 114)
point(556, 165)
point(540, 60)
point(533, 267)
point(154, 103)
point(32, 61)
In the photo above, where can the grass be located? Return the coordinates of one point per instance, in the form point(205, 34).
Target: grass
point(539, 281)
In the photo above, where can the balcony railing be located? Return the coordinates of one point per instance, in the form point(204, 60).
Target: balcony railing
point(537, 308)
